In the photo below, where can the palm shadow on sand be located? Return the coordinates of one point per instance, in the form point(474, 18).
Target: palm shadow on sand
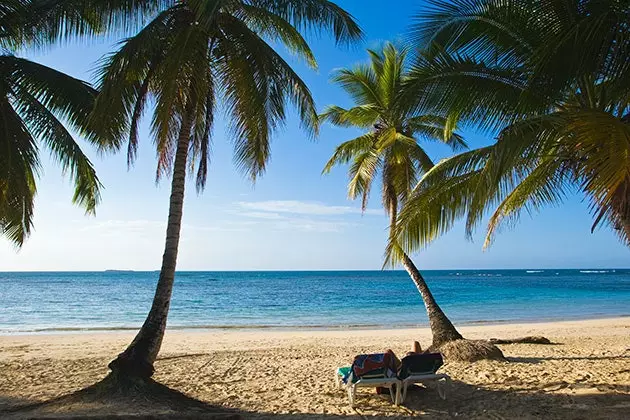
point(153, 400)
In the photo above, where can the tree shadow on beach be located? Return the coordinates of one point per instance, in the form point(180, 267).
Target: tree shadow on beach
point(158, 401)
point(535, 360)
point(109, 398)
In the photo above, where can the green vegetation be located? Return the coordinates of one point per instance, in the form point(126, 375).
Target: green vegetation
point(552, 78)
point(33, 99)
point(36, 101)
point(390, 148)
point(180, 61)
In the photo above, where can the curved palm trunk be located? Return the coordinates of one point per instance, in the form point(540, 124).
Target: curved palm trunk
point(137, 360)
point(442, 328)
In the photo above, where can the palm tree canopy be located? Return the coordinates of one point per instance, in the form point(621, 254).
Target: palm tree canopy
point(34, 99)
point(202, 53)
point(552, 78)
point(393, 125)
point(41, 23)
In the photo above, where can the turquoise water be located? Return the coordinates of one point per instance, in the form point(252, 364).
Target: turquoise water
point(59, 301)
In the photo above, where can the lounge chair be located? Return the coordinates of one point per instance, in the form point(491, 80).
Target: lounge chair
point(369, 370)
point(422, 369)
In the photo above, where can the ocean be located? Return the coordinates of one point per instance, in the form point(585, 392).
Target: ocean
point(88, 301)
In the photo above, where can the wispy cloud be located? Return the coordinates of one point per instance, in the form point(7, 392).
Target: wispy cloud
point(152, 227)
point(302, 216)
point(261, 215)
point(303, 208)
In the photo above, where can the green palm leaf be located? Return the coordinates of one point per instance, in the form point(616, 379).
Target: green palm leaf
point(550, 76)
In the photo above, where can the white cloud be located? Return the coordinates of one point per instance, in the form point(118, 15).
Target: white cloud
point(152, 227)
point(303, 208)
point(125, 225)
point(261, 215)
point(310, 225)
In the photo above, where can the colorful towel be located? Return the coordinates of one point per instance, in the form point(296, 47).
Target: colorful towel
point(377, 365)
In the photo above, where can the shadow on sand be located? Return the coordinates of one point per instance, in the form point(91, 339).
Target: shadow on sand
point(156, 401)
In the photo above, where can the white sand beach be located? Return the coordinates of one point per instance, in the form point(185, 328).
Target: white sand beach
point(289, 374)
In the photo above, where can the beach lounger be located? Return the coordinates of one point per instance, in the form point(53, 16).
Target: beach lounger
point(422, 369)
point(369, 370)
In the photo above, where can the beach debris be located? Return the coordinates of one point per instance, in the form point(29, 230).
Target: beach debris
point(534, 339)
point(471, 351)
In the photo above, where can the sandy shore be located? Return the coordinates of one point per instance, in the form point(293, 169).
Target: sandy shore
point(286, 374)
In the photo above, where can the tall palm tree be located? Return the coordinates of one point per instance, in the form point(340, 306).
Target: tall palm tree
point(35, 100)
point(552, 77)
point(390, 147)
point(190, 58)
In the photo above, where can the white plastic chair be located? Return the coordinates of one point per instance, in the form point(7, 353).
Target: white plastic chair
point(393, 384)
point(441, 380)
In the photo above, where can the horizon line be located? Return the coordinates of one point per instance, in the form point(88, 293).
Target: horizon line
point(313, 270)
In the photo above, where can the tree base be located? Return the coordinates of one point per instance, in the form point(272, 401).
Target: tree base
point(469, 351)
point(126, 366)
point(121, 396)
point(523, 340)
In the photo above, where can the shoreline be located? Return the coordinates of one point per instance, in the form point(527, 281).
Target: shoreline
point(306, 328)
point(178, 341)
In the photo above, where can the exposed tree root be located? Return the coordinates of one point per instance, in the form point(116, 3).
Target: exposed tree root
point(125, 398)
point(522, 340)
point(470, 351)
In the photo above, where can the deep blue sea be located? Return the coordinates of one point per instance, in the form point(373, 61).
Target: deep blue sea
point(68, 301)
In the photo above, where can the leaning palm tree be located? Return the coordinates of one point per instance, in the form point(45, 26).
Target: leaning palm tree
point(190, 58)
point(552, 78)
point(36, 101)
point(390, 148)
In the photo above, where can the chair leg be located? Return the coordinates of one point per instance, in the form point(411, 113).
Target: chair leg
point(338, 381)
point(441, 388)
point(393, 393)
point(351, 394)
point(403, 395)
point(399, 400)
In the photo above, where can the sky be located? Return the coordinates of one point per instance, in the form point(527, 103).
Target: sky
point(294, 218)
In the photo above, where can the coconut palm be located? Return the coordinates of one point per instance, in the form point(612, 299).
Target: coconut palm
point(552, 78)
point(190, 58)
point(33, 100)
point(36, 100)
point(389, 148)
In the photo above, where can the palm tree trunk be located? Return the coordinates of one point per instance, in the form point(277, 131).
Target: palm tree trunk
point(442, 328)
point(137, 360)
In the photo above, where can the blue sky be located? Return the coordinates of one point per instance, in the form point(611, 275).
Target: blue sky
point(293, 218)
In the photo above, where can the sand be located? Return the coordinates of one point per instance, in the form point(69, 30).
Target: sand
point(289, 374)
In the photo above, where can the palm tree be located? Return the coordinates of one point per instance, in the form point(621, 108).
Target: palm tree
point(35, 99)
point(190, 58)
point(393, 126)
point(552, 77)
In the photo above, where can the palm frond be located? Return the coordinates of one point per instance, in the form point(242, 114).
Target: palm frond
point(364, 116)
point(19, 164)
point(361, 84)
point(316, 15)
point(68, 98)
point(275, 28)
point(63, 149)
point(257, 87)
point(346, 151)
